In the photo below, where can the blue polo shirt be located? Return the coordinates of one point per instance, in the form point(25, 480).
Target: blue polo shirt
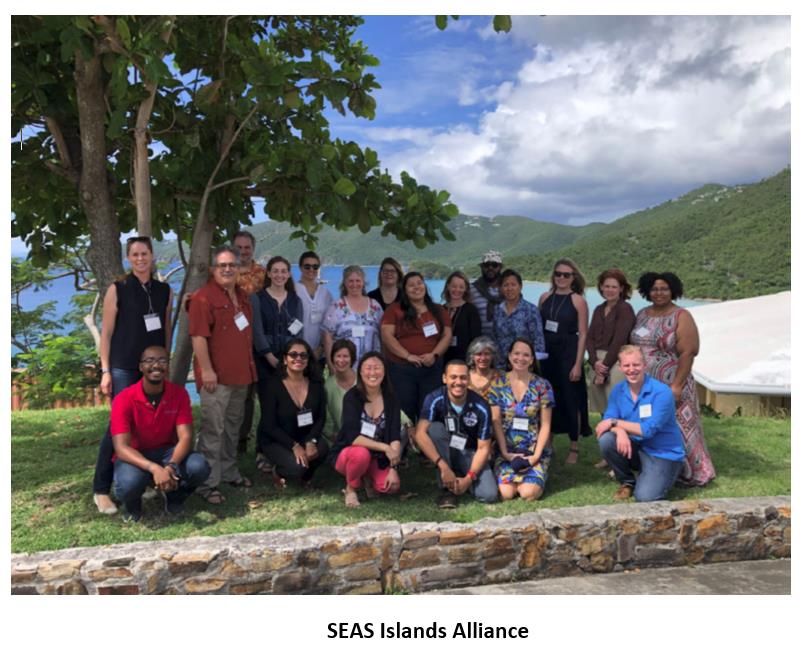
point(655, 411)
point(474, 421)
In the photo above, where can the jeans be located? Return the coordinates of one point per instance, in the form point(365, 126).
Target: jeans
point(103, 478)
point(656, 475)
point(413, 384)
point(484, 489)
point(130, 481)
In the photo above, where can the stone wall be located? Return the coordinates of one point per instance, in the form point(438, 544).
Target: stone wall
point(415, 557)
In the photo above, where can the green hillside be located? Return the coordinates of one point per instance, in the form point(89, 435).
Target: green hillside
point(724, 242)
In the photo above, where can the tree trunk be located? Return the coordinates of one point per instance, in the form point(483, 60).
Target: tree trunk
point(96, 198)
point(196, 277)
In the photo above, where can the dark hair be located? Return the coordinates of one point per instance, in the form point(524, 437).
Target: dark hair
point(308, 254)
point(385, 385)
point(619, 276)
point(647, 280)
point(456, 274)
point(456, 361)
point(244, 233)
point(310, 371)
point(410, 311)
point(289, 286)
point(511, 272)
point(143, 239)
point(526, 341)
point(343, 343)
point(390, 261)
point(578, 281)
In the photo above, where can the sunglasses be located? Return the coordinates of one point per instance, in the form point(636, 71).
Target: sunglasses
point(151, 360)
point(491, 265)
point(312, 267)
point(298, 355)
point(563, 274)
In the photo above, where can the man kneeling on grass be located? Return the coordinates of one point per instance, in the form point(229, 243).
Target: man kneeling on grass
point(454, 432)
point(151, 424)
point(639, 432)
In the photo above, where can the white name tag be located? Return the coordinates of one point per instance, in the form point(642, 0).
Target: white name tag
point(295, 327)
point(551, 326)
point(368, 429)
point(241, 321)
point(645, 410)
point(453, 341)
point(358, 331)
point(153, 322)
point(429, 329)
point(458, 442)
point(521, 423)
point(305, 419)
point(642, 331)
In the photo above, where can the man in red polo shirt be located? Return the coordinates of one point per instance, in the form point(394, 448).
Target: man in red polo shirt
point(151, 424)
point(220, 318)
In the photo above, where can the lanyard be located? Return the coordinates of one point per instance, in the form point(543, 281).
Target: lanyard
point(148, 292)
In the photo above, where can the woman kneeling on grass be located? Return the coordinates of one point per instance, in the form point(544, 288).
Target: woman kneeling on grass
point(367, 449)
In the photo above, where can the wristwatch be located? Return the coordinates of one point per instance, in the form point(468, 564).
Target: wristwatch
point(175, 468)
point(614, 423)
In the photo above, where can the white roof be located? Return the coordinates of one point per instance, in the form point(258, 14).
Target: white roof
point(745, 345)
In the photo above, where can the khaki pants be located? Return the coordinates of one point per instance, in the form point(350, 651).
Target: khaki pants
point(598, 395)
point(217, 438)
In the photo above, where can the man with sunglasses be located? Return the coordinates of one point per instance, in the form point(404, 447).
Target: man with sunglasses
point(485, 292)
point(151, 424)
point(315, 300)
point(220, 317)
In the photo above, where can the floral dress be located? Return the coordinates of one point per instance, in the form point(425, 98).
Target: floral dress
point(657, 337)
point(538, 395)
point(523, 322)
point(363, 329)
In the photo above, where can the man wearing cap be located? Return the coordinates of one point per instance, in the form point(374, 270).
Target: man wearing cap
point(485, 293)
point(454, 433)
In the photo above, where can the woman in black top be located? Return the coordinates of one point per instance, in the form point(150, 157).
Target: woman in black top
point(389, 283)
point(367, 448)
point(465, 321)
point(135, 314)
point(294, 407)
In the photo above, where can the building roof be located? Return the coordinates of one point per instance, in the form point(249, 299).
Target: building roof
point(745, 345)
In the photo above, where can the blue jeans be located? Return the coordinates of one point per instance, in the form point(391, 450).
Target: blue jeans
point(103, 478)
point(413, 384)
point(484, 489)
point(656, 475)
point(130, 481)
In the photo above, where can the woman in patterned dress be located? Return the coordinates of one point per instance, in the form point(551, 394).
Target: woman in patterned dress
point(515, 317)
point(354, 316)
point(521, 403)
point(669, 339)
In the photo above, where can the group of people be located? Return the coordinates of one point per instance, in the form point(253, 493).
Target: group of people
point(478, 384)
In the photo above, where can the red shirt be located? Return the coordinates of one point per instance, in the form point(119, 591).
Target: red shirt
point(212, 316)
point(411, 337)
point(148, 427)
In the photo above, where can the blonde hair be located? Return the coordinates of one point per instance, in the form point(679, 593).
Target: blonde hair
point(630, 348)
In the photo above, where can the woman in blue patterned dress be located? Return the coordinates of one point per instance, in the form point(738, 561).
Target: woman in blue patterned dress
point(521, 403)
point(515, 317)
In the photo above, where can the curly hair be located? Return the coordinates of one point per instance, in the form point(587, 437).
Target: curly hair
point(646, 281)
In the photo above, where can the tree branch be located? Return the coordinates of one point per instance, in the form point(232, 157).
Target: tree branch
point(59, 140)
point(70, 175)
point(228, 182)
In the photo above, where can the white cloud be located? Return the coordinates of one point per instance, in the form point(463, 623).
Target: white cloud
point(614, 114)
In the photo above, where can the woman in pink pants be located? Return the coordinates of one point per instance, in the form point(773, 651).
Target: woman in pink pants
point(367, 447)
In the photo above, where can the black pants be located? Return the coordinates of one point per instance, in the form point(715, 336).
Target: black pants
point(286, 465)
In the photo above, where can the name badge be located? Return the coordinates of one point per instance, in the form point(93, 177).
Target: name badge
point(241, 321)
point(521, 423)
point(153, 322)
point(551, 326)
point(305, 418)
point(458, 442)
point(645, 410)
point(358, 331)
point(295, 327)
point(453, 341)
point(368, 429)
point(429, 329)
point(450, 423)
point(642, 331)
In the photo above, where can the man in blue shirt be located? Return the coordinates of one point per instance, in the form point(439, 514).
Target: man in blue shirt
point(639, 432)
point(454, 432)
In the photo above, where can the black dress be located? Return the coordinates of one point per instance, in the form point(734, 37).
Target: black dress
point(570, 414)
point(466, 325)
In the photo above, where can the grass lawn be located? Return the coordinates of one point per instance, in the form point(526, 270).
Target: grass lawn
point(53, 454)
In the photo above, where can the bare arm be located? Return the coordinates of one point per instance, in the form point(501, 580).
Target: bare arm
point(687, 347)
point(164, 477)
point(393, 345)
point(108, 315)
point(582, 327)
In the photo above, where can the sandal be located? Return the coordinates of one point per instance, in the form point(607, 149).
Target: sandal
point(571, 458)
point(602, 464)
point(242, 482)
point(351, 498)
point(213, 496)
point(263, 465)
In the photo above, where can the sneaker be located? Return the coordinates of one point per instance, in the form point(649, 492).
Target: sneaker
point(104, 504)
point(129, 517)
point(447, 500)
point(624, 492)
point(172, 508)
point(150, 493)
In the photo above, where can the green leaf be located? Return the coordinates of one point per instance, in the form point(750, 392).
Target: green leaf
point(451, 210)
point(314, 173)
point(344, 187)
point(502, 23)
point(441, 22)
point(442, 197)
point(124, 32)
point(292, 99)
point(413, 200)
point(256, 173)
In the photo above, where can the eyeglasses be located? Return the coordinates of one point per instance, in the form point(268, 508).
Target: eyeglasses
point(226, 265)
point(298, 355)
point(563, 274)
point(151, 360)
point(491, 265)
point(388, 271)
point(312, 267)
